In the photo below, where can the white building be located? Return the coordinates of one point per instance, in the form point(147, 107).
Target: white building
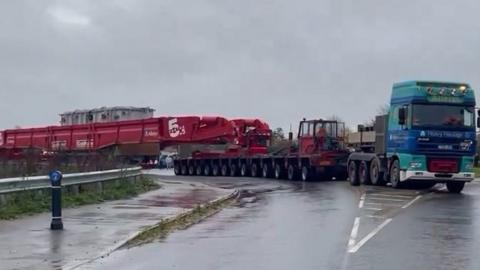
point(104, 114)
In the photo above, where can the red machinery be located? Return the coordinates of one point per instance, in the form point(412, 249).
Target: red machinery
point(320, 151)
point(132, 138)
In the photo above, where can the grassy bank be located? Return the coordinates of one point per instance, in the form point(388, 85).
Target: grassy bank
point(477, 171)
point(167, 226)
point(32, 202)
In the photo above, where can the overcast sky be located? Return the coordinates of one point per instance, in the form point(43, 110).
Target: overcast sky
point(279, 60)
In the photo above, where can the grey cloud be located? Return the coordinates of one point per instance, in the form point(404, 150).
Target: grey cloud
point(277, 60)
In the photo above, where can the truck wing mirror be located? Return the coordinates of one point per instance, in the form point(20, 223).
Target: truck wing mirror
point(478, 122)
point(402, 116)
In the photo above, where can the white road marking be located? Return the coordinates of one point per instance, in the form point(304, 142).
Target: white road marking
point(391, 195)
point(372, 216)
point(362, 201)
point(373, 209)
point(382, 203)
point(411, 202)
point(362, 242)
point(354, 233)
point(386, 199)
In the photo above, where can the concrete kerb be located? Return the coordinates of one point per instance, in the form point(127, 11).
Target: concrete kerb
point(133, 236)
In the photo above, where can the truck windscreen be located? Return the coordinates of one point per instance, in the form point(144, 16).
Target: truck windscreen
point(443, 116)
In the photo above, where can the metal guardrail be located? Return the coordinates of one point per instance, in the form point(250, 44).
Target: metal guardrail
point(8, 185)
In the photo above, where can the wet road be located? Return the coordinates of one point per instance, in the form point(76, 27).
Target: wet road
point(325, 225)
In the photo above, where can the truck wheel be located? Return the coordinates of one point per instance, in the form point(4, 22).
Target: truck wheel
point(233, 170)
point(199, 170)
point(206, 170)
point(278, 171)
point(363, 173)
point(191, 170)
point(266, 171)
point(455, 187)
point(224, 170)
point(177, 170)
point(353, 173)
point(215, 170)
point(254, 170)
point(243, 170)
point(184, 170)
point(395, 174)
point(375, 177)
point(306, 174)
point(291, 172)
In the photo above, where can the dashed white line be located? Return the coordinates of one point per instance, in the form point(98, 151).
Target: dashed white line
point(372, 209)
point(391, 195)
point(354, 233)
point(362, 242)
point(385, 199)
point(362, 201)
point(411, 202)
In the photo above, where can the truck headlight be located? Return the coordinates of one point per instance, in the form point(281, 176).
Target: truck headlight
point(469, 166)
point(415, 165)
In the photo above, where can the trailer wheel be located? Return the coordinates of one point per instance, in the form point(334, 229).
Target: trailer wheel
point(191, 170)
point(199, 170)
point(353, 173)
point(243, 170)
point(363, 173)
point(215, 170)
point(224, 170)
point(455, 187)
point(395, 174)
point(306, 173)
point(292, 172)
point(254, 170)
point(233, 170)
point(184, 170)
point(375, 177)
point(206, 170)
point(266, 171)
point(278, 171)
point(177, 170)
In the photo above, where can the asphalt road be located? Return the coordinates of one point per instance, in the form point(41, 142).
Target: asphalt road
point(323, 225)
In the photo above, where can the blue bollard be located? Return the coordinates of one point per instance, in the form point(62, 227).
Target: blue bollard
point(56, 181)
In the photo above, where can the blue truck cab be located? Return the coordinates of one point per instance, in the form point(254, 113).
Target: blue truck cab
point(429, 135)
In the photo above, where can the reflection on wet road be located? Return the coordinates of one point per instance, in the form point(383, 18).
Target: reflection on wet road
point(326, 225)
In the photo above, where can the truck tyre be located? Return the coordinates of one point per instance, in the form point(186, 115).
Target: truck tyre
point(177, 170)
point(278, 171)
point(243, 170)
point(266, 171)
point(215, 170)
point(206, 170)
point(395, 174)
point(375, 177)
point(254, 170)
point(455, 187)
point(199, 170)
point(363, 173)
point(184, 170)
point(292, 172)
point(306, 173)
point(233, 170)
point(353, 174)
point(191, 170)
point(224, 170)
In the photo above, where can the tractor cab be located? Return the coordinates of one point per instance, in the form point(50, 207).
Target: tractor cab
point(315, 136)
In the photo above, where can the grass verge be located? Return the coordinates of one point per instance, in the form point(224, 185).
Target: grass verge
point(180, 222)
point(477, 171)
point(35, 201)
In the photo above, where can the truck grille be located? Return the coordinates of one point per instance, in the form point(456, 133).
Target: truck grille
point(443, 165)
